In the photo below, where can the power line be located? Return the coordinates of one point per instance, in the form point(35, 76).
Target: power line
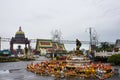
point(62, 41)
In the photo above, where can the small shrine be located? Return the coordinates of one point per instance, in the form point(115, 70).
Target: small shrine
point(19, 39)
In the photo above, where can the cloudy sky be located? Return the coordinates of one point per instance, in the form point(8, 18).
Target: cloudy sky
point(72, 17)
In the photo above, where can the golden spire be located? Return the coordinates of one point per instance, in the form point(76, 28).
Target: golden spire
point(20, 31)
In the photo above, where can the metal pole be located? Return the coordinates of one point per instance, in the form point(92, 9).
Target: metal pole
point(90, 32)
point(0, 43)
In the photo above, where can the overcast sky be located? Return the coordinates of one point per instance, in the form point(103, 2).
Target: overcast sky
point(72, 17)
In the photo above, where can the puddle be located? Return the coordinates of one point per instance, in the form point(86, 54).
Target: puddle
point(9, 71)
point(4, 71)
point(14, 70)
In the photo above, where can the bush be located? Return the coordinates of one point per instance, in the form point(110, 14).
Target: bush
point(102, 59)
point(114, 59)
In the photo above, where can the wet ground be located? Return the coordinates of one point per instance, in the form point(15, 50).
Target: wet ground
point(17, 71)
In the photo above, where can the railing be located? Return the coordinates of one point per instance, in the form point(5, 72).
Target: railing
point(105, 54)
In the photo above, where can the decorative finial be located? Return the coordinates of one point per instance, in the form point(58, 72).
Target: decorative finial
point(20, 28)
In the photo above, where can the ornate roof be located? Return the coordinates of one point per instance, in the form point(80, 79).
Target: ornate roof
point(49, 45)
point(117, 44)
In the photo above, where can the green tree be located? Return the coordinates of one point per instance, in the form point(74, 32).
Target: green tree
point(105, 46)
point(115, 59)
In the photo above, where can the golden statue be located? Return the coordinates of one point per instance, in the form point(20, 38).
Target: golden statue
point(78, 44)
point(78, 52)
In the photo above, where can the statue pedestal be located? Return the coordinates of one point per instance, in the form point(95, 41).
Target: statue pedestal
point(78, 53)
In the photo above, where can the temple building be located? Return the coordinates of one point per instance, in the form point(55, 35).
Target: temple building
point(48, 46)
point(43, 46)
